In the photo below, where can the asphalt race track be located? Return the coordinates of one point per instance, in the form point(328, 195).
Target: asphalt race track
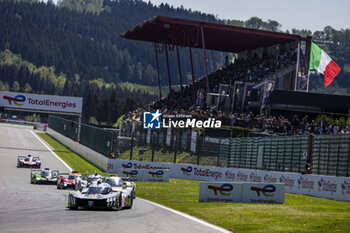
point(26, 207)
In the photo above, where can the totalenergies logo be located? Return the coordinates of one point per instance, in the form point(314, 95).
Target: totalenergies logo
point(132, 173)
point(187, 171)
point(17, 100)
point(267, 190)
point(224, 189)
point(128, 165)
point(158, 174)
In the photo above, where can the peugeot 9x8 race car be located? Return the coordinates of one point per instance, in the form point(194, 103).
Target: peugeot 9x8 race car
point(66, 180)
point(28, 161)
point(99, 195)
point(45, 176)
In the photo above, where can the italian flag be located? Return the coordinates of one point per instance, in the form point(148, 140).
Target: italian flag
point(320, 61)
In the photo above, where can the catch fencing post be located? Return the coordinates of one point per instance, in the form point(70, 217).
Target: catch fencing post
point(131, 145)
point(348, 159)
point(218, 159)
point(309, 150)
point(79, 128)
point(176, 140)
point(153, 145)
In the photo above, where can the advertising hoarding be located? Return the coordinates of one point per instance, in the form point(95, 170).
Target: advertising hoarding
point(51, 103)
point(156, 175)
point(134, 175)
point(220, 192)
point(269, 193)
point(337, 188)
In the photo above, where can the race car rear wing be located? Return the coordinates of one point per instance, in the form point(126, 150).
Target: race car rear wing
point(66, 174)
point(39, 171)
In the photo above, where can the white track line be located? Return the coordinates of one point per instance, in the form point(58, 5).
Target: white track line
point(44, 143)
point(188, 216)
point(219, 229)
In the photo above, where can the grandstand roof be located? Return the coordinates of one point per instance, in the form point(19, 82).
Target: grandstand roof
point(219, 37)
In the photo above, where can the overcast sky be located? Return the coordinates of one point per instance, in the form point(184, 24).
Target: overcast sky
point(300, 14)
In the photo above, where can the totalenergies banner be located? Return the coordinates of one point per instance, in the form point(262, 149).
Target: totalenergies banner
point(220, 192)
point(50, 103)
point(337, 188)
point(247, 192)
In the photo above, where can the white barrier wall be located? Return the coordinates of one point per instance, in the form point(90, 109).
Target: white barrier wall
point(90, 155)
point(337, 188)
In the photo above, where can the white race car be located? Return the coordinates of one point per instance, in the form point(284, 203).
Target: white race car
point(99, 195)
point(119, 184)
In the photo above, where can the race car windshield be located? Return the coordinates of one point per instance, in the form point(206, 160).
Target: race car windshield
point(93, 178)
point(27, 159)
point(98, 190)
point(71, 177)
point(115, 183)
point(46, 173)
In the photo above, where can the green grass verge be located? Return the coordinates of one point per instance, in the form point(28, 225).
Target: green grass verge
point(73, 160)
point(299, 213)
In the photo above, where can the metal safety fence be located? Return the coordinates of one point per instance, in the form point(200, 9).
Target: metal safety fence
point(327, 154)
point(100, 140)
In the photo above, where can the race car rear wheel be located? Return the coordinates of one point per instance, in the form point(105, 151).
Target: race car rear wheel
point(131, 203)
point(120, 202)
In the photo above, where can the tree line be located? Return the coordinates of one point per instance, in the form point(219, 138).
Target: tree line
point(75, 48)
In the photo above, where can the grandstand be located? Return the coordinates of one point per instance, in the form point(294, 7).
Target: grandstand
point(269, 74)
point(262, 55)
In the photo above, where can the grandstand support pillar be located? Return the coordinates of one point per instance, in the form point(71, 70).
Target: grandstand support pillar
point(79, 129)
point(297, 67)
point(159, 86)
point(192, 72)
point(179, 66)
point(307, 58)
point(205, 58)
point(167, 66)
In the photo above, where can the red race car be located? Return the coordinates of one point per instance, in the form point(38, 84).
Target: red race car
point(66, 180)
point(28, 161)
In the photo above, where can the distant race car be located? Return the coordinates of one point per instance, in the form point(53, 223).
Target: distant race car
point(119, 184)
point(28, 161)
point(85, 181)
point(45, 176)
point(66, 180)
point(99, 195)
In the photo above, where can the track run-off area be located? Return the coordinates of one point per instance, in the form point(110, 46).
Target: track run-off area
point(25, 207)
